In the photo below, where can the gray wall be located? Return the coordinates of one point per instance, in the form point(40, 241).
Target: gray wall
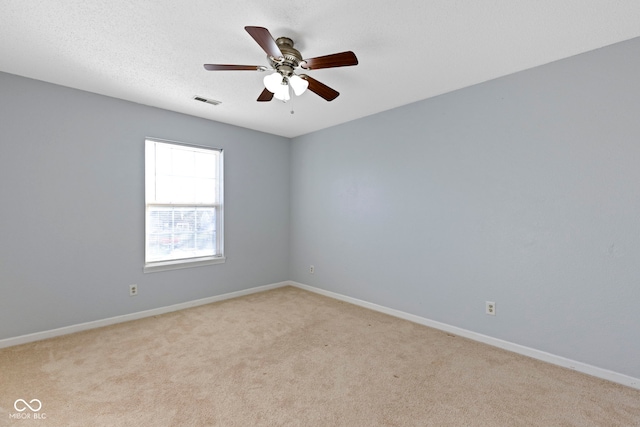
point(72, 207)
point(523, 190)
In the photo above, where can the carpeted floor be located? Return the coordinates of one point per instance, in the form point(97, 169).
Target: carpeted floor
point(288, 357)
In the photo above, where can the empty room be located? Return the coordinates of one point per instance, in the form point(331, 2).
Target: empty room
point(422, 213)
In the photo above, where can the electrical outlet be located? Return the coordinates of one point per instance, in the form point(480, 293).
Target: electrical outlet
point(133, 290)
point(312, 269)
point(490, 308)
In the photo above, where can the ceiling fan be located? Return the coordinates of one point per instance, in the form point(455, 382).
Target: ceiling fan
point(284, 60)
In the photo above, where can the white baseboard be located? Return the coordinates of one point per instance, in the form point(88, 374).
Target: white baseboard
point(506, 345)
point(23, 339)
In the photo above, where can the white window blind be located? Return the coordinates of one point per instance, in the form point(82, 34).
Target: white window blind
point(183, 198)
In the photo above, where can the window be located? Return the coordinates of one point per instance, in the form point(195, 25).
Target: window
point(183, 197)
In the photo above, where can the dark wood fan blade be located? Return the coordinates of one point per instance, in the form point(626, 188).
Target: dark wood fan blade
point(342, 59)
point(320, 89)
point(265, 96)
point(265, 40)
point(227, 67)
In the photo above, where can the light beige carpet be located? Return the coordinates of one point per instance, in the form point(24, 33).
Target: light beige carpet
point(288, 357)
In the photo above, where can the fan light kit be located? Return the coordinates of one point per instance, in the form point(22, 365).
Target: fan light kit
point(279, 85)
point(284, 59)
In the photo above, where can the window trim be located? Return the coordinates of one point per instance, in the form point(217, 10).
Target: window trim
point(176, 264)
point(154, 266)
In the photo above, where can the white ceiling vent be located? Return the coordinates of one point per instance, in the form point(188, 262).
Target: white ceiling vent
point(208, 101)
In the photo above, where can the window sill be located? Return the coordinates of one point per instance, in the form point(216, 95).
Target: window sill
point(153, 267)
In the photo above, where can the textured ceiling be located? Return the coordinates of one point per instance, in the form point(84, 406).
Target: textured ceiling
point(152, 51)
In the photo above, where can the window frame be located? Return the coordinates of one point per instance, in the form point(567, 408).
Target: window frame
point(177, 263)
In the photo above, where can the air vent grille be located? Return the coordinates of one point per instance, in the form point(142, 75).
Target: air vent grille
point(208, 101)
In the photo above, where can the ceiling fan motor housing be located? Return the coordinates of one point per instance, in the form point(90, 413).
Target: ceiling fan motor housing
point(291, 57)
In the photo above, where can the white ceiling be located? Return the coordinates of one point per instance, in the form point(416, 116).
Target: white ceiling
point(152, 51)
